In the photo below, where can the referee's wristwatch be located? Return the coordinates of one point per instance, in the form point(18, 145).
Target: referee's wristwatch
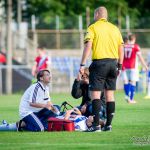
point(82, 65)
point(119, 66)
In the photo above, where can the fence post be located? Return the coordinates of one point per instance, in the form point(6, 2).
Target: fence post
point(35, 41)
point(128, 24)
point(57, 22)
point(87, 16)
point(81, 32)
point(1, 82)
point(57, 32)
point(27, 53)
point(9, 49)
point(57, 39)
point(81, 39)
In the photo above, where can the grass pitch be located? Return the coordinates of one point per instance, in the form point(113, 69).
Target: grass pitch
point(131, 128)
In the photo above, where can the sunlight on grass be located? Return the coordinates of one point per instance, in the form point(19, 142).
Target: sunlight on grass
point(130, 127)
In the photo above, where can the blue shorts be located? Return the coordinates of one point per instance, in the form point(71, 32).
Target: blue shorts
point(37, 121)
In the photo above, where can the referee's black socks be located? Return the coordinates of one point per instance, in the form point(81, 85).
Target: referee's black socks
point(110, 110)
point(96, 106)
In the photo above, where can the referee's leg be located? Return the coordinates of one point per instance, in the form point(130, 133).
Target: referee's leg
point(96, 106)
point(110, 107)
point(96, 84)
point(110, 87)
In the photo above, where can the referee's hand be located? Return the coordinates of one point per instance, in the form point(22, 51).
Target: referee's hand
point(118, 72)
point(119, 68)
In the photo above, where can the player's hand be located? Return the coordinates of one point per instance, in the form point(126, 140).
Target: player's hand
point(69, 111)
point(75, 109)
point(83, 108)
point(146, 68)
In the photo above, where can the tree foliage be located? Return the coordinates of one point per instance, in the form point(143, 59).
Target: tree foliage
point(46, 11)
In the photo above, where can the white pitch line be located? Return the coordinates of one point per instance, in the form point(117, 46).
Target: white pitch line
point(76, 144)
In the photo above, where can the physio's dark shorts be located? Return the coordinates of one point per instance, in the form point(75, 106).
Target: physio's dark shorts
point(103, 74)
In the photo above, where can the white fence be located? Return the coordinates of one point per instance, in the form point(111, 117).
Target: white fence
point(61, 82)
point(21, 78)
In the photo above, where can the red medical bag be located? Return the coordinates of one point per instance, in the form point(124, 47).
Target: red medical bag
point(55, 124)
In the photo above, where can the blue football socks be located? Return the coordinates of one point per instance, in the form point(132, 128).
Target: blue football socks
point(132, 90)
point(127, 89)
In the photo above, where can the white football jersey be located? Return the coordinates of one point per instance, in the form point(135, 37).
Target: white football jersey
point(36, 93)
point(79, 122)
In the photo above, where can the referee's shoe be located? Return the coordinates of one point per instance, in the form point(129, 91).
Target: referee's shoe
point(94, 129)
point(107, 128)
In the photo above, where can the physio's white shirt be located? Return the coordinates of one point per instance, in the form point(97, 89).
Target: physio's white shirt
point(36, 93)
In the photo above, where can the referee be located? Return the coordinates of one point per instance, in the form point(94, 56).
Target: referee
point(106, 43)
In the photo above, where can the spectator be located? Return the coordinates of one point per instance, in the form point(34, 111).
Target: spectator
point(80, 88)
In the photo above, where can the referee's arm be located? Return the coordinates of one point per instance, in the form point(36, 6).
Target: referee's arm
point(86, 52)
point(121, 54)
point(85, 55)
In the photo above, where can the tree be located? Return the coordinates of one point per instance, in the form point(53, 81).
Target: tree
point(46, 11)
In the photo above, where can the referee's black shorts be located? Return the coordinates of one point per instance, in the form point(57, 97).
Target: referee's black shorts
point(103, 74)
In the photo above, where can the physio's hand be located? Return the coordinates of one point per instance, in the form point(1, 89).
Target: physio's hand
point(55, 110)
point(79, 76)
point(48, 106)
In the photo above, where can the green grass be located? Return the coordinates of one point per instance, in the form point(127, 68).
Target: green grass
point(131, 128)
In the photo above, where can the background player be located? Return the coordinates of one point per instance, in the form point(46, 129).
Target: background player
point(131, 51)
point(42, 61)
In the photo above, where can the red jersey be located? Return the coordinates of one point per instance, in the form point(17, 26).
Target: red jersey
point(41, 62)
point(130, 54)
point(2, 58)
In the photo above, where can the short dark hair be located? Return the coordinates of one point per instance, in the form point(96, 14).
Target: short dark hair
point(41, 73)
point(125, 39)
point(41, 48)
point(132, 36)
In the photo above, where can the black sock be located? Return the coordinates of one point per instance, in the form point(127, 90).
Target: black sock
point(96, 105)
point(110, 110)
